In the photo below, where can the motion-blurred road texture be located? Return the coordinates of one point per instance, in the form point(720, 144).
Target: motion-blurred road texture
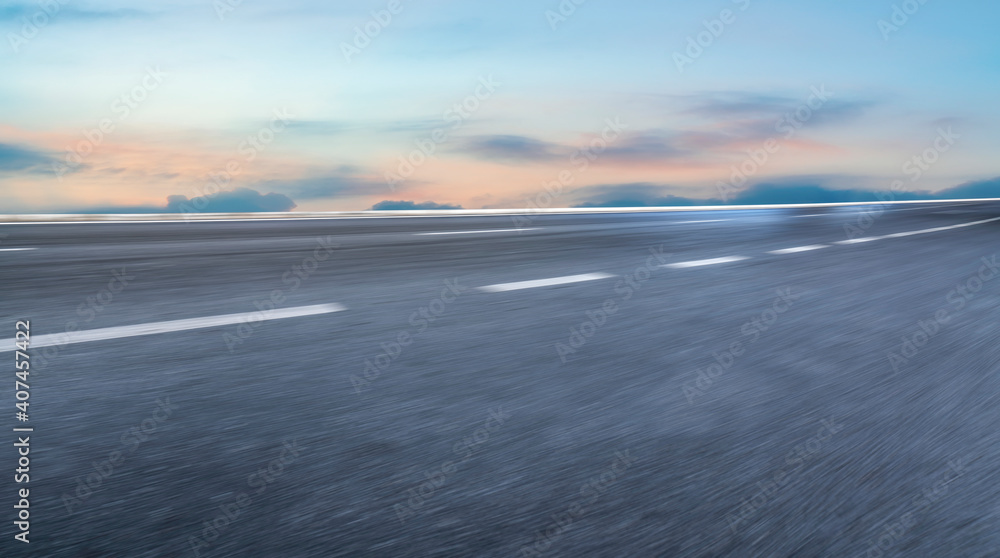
point(780, 382)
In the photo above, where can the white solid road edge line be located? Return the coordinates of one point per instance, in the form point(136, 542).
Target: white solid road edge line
point(174, 325)
point(58, 218)
point(912, 233)
point(939, 229)
point(16, 249)
point(504, 287)
point(701, 263)
point(474, 232)
point(798, 249)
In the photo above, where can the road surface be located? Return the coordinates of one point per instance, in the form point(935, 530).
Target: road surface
point(721, 383)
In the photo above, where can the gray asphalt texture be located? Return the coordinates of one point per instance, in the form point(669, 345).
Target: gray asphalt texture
point(811, 441)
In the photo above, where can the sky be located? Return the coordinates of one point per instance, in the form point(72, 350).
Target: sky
point(306, 105)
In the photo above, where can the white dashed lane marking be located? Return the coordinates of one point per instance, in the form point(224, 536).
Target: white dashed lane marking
point(473, 232)
point(856, 240)
point(107, 333)
point(798, 249)
point(702, 263)
point(912, 233)
point(504, 287)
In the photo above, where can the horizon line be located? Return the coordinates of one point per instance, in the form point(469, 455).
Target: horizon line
point(51, 218)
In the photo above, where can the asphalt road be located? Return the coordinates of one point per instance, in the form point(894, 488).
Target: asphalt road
point(663, 384)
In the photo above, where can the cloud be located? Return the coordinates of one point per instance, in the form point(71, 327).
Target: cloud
point(725, 124)
point(730, 122)
point(736, 104)
point(652, 145)
point(341, 182)
point(793, 190)
point(781, 193)
point(414, 125)
point(637, 194)
point(15, 11)
point(977, 189)
point(342, 127)
point(735, 118)
point(630, 147)
point(408, 205)
point(14, 158)
point(321, 127)
point(512, 149)
point(754, 106)
point(238, 200)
